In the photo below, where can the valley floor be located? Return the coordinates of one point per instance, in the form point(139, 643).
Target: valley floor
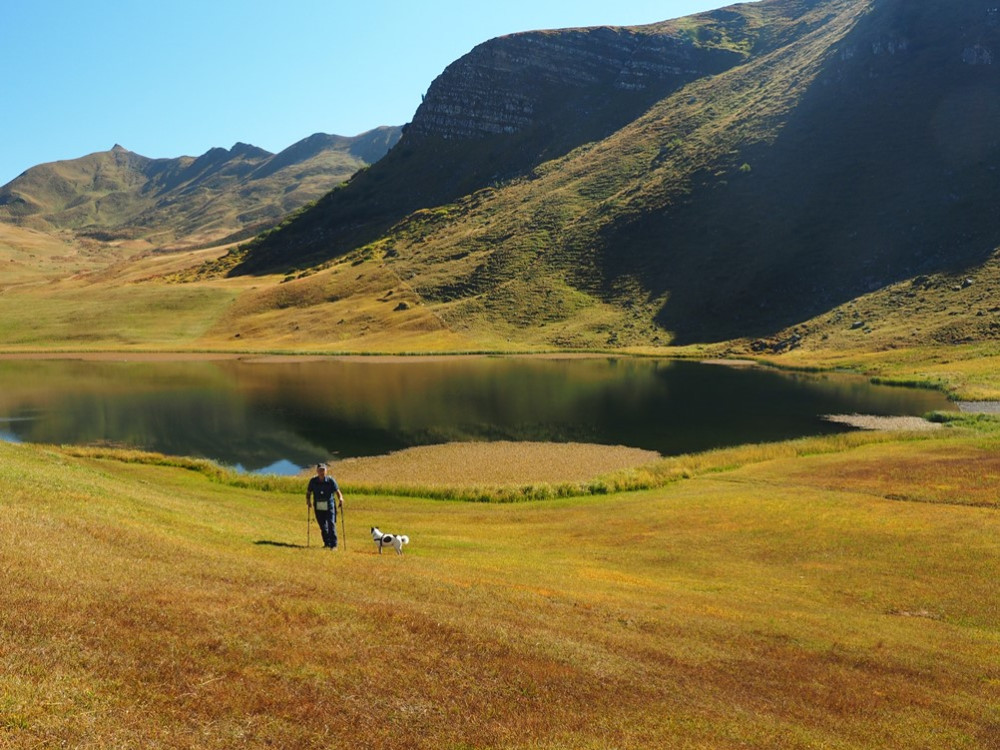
point(837, 592)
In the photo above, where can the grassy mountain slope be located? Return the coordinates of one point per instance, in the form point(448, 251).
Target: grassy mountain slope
point(795, 596)
point(937, 329)
point(28, 256)
point(497, 113)
point(884, 170)
point(847, 146)
point(119, 195)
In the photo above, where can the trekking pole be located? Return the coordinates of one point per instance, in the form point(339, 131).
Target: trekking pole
point(308, 528)
point(343, 525)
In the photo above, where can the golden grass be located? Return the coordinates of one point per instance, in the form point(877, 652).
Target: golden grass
point(517, 485)
point(960, 475)
point(800, 601)
point(28, 256)
point(494, 463)
point(877, 422)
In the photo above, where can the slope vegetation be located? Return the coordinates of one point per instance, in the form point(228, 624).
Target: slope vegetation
point(807, 154)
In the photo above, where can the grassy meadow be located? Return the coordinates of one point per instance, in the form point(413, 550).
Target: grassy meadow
point(837, 592)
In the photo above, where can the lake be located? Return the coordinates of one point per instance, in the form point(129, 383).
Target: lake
point(276, 417)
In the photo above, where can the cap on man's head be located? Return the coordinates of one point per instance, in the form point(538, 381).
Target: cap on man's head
point(320, 466)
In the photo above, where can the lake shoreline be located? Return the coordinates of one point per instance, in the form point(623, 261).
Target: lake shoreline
point(974, 405)
point(293, 411)
point(268, 358)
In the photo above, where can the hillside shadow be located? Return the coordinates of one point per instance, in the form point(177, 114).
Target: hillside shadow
point(883, 171)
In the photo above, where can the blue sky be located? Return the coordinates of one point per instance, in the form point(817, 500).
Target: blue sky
point(167, 78)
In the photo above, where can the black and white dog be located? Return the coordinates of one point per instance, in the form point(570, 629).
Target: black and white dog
point(389, 540)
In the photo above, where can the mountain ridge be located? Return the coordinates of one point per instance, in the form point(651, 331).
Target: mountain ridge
point(513, 123)
point(119, 194)
point(830, 191)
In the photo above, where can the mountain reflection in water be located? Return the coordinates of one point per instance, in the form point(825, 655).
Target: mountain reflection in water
point(277, 417)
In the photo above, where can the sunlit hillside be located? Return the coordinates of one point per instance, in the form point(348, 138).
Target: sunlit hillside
point(225, 194)
point(847, 147)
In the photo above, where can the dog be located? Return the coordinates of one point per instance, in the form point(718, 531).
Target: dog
point(389, 540)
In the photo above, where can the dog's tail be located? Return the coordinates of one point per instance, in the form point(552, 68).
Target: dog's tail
point(404, 539)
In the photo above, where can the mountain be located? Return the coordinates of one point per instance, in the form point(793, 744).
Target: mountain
point(729, 174)
point(118, 194)
point(511, 104)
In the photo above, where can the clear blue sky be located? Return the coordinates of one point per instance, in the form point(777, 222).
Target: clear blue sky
point(167, 78)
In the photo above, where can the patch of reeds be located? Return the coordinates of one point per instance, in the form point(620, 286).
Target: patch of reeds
point(649, 476)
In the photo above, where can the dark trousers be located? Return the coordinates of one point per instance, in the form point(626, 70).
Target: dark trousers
point(327, 520)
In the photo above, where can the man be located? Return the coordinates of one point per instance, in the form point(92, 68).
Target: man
point(322, 489)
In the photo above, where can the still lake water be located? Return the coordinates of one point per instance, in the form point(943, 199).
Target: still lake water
point(278, 417)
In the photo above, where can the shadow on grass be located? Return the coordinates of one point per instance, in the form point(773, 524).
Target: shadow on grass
point(269, 543)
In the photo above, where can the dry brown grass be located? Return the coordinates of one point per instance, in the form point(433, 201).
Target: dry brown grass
point(495, 463)
point(790, 603)
point(959, 475)
point(790, 596)
point(876, 422)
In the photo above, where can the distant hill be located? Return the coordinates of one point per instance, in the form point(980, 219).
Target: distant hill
point(222, 194)
point(725, 175)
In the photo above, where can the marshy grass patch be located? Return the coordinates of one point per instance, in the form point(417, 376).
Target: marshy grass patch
point(881, 422)
point(492, 463)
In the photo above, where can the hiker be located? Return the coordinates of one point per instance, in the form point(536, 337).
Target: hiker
point(322, 489)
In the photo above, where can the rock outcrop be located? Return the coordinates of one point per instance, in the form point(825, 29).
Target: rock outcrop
point(509, 84)
point(510, 104)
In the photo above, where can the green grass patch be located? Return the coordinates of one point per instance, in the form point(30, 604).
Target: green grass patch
point(110, 317)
